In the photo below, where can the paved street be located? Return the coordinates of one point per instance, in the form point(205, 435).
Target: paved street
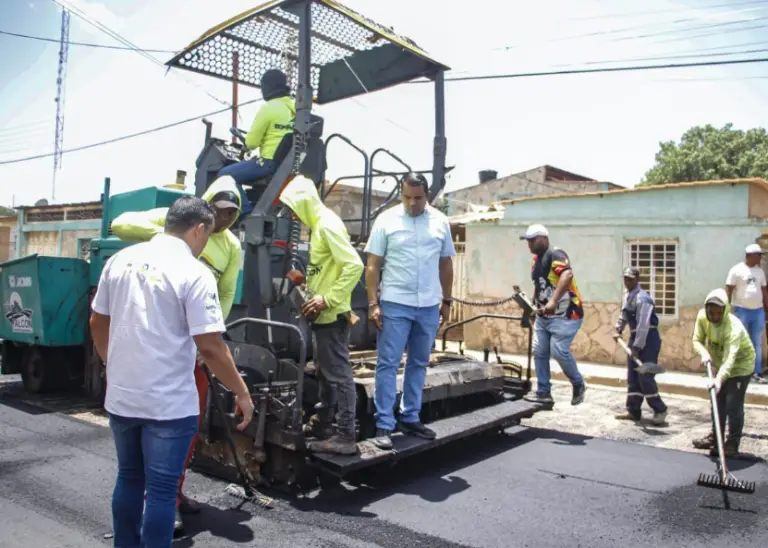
point(541, 487)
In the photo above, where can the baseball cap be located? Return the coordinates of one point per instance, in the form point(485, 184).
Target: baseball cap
point(754, 249)
point(534, 231)
point(224, 200)
point(630, 272)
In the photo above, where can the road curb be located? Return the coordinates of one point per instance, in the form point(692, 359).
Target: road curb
point(669, 388)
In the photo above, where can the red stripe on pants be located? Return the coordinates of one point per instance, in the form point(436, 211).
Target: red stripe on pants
point(201, 381)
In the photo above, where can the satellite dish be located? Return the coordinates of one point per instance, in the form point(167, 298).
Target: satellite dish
point(41, 202)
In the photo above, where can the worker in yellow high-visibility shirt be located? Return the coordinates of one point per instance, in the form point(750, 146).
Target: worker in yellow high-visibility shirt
point(222, 255)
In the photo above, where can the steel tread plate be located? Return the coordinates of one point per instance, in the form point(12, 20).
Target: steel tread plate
point(447, 430)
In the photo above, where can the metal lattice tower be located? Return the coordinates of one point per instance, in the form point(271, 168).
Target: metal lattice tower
point(60, 85)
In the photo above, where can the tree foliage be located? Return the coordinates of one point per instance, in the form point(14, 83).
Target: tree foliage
point(706, 153)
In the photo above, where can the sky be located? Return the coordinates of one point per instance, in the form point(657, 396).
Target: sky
point(604, 126)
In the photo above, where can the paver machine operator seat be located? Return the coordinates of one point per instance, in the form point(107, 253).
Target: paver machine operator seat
point(218, 153)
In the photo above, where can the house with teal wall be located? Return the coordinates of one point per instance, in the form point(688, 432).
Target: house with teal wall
point(682, 237)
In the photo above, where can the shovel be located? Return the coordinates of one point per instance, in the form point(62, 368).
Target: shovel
point(647, 368)
point(723, 479)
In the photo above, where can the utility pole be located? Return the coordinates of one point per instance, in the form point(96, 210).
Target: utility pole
point(60, 85)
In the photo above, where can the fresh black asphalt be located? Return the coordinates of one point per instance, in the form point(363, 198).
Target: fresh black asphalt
point(533, 488)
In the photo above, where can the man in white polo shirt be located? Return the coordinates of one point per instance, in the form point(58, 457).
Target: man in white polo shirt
point(746, 289)
point(156, 306)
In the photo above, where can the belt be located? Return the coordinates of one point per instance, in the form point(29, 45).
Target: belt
point(649, 327)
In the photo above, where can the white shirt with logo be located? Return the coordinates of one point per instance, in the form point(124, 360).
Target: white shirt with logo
point(748, 286)
point(158, 297)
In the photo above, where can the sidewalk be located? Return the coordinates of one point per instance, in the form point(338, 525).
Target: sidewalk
point(672, 382)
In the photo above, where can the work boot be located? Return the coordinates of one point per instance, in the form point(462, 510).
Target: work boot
point(627, 416)
point(383, 439)
point(540, 397)
point(707, 442)
point(318, 427)
point(337, 444)
point(730, 450)
point(188, 506)
point(417, 429)
point(578, 393)
point(659, 418)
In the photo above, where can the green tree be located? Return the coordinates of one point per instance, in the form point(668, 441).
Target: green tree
point(7, 212)
point(706, 153)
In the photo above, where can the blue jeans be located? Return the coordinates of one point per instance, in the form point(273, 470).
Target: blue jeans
point(552, 337)
point(754, 323)
point(247, 172)
point(150, 457)
point(403, 326)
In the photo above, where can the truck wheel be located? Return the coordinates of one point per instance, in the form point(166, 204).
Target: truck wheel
point(35, 373)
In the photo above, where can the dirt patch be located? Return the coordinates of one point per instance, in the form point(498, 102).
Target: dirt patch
point(687, 419)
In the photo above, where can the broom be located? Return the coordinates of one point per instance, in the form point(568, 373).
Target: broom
point(722, 479)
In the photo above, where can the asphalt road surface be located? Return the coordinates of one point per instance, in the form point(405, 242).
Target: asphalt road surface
point(536, 488)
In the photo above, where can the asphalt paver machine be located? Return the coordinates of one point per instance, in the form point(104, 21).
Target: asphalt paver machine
point(337, 54)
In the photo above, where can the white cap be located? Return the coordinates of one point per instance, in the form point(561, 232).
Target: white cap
point(754, 249)
point(534, 231)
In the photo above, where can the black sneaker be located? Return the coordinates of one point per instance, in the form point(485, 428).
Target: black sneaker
point(417, 429)
point(540, 397)
point(383, 439)
point(578, 393)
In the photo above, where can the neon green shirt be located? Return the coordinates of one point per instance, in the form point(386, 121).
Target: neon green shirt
point(222, 254)
point(274, 119)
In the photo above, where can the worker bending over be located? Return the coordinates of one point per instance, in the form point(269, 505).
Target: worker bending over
point(720, 338)
point(272, 122)
point(333, 272)
point(639, 311)
point(221, 255)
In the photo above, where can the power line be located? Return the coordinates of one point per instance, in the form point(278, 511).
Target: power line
point(599, 70)
point(665, 57)
point(109, 32)
point(129, 136)
point(84, 44)
point(671, 10)
point(457, 79)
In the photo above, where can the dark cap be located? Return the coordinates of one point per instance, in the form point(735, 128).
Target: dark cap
point(631, 272)
point(225, 199)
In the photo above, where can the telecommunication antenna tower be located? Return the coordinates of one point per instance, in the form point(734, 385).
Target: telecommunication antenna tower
point(60, 85)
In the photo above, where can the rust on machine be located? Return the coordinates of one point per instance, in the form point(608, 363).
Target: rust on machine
point(351, 54)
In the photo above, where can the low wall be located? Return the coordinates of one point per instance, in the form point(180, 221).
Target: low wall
point(594, 342)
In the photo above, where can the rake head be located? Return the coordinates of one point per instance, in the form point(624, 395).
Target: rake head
point(715, 481)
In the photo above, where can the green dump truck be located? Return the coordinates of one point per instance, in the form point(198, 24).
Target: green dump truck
point(46, 305)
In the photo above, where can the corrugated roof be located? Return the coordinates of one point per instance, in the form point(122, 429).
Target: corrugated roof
point(476, 216)
point(59, 206)
point(762, 183)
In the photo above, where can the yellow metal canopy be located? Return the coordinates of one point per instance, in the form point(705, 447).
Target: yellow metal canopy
point(351, 54)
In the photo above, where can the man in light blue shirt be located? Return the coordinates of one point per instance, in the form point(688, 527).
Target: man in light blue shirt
point(411, 243)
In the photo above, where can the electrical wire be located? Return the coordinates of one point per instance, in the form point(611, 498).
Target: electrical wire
point(457, 79)
point(671, 10)
point(109, 32)
point(600, 70)
point(126, 137)
point(85, 44)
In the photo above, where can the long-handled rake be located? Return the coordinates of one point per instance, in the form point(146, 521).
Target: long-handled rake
point(722, 479)
point(647, 368)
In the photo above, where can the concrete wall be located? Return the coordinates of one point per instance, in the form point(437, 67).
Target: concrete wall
point(55, 229)
point(527, 183)
point(710, 225)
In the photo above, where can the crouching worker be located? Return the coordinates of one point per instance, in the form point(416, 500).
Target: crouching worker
point(221, 255)
point(639, 311)
point(720, 338)
point(333, 272)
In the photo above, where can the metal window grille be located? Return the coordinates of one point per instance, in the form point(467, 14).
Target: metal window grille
point(658, 265)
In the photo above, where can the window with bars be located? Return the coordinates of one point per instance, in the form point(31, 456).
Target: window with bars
point(657, 263)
